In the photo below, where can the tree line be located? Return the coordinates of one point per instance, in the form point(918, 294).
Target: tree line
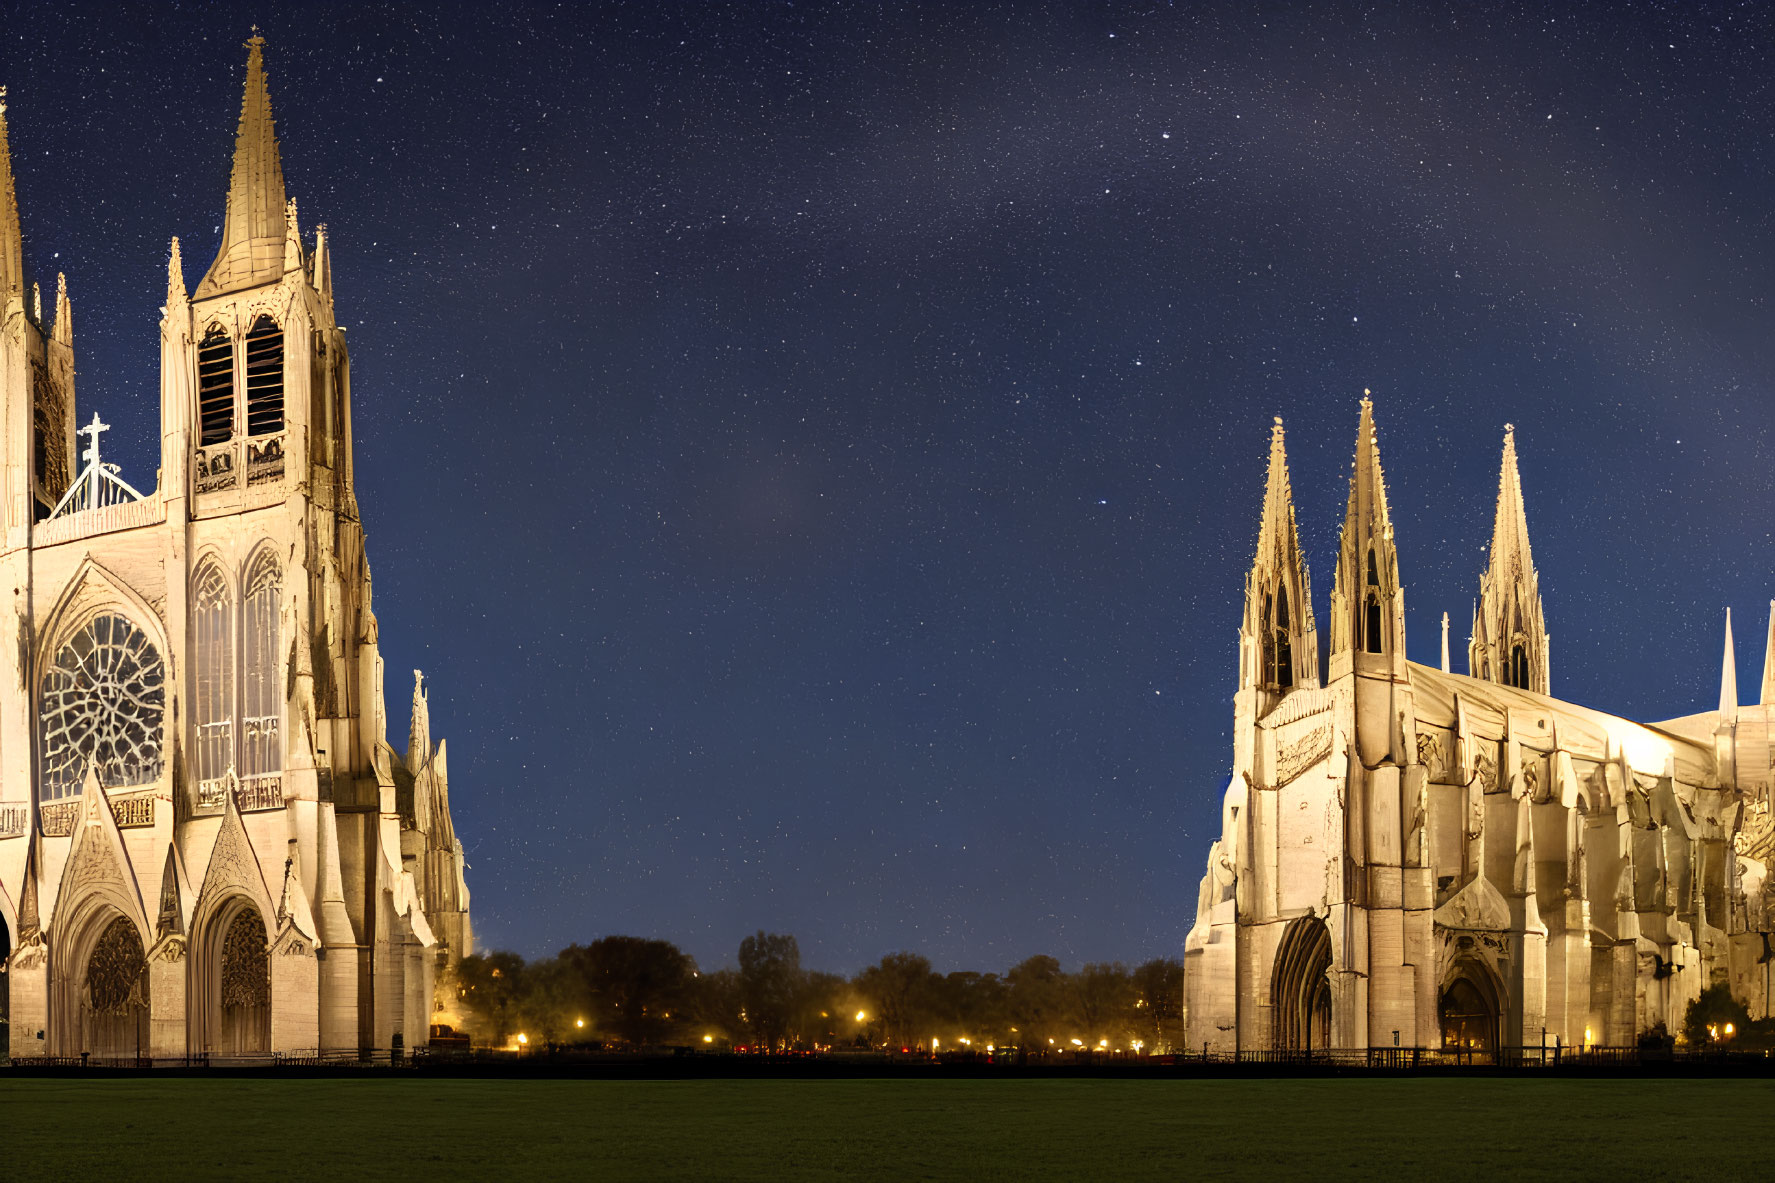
point(637, 992)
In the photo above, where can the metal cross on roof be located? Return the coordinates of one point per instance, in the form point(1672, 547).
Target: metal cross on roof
point(98, 485)
point(91, 455)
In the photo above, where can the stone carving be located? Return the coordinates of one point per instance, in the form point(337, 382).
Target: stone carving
point(57, 818)
point(1296, 757)
point(134, 810)
point(1487, 765)
point(1431, 755)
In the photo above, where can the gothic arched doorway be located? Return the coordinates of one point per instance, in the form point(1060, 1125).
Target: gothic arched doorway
point(114, 994)
point(1468, 1012)
point(1300, 987)
point(242, 1023)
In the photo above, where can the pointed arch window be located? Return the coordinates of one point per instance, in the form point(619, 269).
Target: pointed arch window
point(1518, 673)
point(1282, 648)
point(1266, 634)
point(215, 387)
point(1371, 630)
point(261, 702)
point(239, 705)
point(212, 623)
point(265, 377)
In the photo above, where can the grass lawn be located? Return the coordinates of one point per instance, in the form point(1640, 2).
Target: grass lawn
point(412, 1127)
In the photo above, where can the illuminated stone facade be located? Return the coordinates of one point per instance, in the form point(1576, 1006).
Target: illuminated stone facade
point(1417, 858)
point(207, 844)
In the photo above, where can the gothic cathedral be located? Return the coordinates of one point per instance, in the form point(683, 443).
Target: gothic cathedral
point(1415, 858)
point(207, 844)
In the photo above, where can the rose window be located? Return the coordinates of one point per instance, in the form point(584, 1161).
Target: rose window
point(103, 699)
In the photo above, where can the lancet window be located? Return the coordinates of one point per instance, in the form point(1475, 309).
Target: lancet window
point(265, 377)
point(1517, 675)
point(261, 699)
point(1284, 651)
point(239, 710)
point(1372, 609)
point(212, 618)
point(215, 387)
point(103, 699)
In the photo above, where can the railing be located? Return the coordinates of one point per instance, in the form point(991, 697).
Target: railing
point(248, 462)
point(261, 792)
point(14, 820)
point(136, 809)
point(57, 818)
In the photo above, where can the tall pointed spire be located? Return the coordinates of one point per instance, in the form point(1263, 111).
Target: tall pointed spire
point(175, 278)
point(253, 232)
point(1729, 676)
point(1279, 642)
point(1767, 697)
point(1509, 641)
point(1445, 642)
point(12, 261)
point(1367, 603)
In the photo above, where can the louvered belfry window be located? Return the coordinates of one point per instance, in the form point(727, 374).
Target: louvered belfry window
point(215, 387)
point(265, 378)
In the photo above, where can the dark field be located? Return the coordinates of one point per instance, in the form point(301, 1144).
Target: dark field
point(334, 1129)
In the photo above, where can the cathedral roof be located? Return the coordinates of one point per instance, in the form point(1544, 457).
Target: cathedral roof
point(1540, 721)
point(256, 222)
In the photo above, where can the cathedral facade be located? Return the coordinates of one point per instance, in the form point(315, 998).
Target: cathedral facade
point(207, 844)
point(1411, 857)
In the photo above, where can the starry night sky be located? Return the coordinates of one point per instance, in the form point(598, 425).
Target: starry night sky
point(815, 452)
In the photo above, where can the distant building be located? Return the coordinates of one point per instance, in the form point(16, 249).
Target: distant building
point(1414, 857)
point(206, 841)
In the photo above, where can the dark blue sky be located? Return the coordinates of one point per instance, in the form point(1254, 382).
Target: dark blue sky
point(815, 451)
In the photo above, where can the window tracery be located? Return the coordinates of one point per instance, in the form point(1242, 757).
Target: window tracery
point(102, 704)
point(212, 616)
point(116, 969)
point(246, 965)
point(261, 705)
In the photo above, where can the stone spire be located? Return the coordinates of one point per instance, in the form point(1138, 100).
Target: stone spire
point(419, 732)
point(1729, 676)
point(175, 278)
point(1767, 697)
point(1367, 603)
point(12, 259)
point(64, 312)
point(1445, 642)
point(1279, 641)
point(1509, 639)
point(255, 226)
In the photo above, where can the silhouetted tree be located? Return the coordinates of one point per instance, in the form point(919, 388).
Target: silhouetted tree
point(897, 989)
point(1104, 998)
point(1036, 1002)
point(1158, 986)
point(636, 986)
point(770, 984)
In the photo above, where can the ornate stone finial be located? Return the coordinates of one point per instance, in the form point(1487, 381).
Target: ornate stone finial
point(175, 277)
point(2, 100)
point(37, 303)
point(64, 311)
point(1509, 429)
